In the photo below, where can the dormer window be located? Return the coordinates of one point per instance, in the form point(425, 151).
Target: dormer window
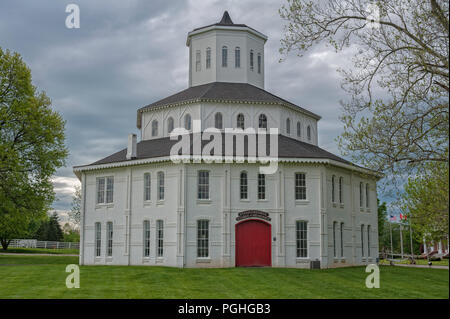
point(187, 122)
point(208, 58)
point(259, 62)
point(218, 121)
point(240, 121)
point(308, 133)
point(262, 121)
point(224, 56)
point(237, 57)
point(155, 128)
point(299, 129)
point(251, 60)
point(288, 126)
point(197, 61)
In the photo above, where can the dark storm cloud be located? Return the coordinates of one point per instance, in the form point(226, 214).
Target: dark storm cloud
point(130, 53)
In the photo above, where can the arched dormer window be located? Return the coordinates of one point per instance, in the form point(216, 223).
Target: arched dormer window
point(187, 122)
point(154, 128)
point(308, 132)
point(251, 60)
point(288, 126)
point(170, 124)
point(259, 62)
point(237, 57)
point(240, 121)
point(299, 129)
point(262, 123)
point(208, 58)
point(224, 56)
point(198, 65)
point(218, 121)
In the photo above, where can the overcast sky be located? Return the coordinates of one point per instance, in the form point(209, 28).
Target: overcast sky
point(127, 54)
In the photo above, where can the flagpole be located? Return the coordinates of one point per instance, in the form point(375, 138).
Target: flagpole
point(392, 249)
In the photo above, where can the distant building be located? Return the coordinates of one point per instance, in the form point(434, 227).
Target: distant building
point(140, 208)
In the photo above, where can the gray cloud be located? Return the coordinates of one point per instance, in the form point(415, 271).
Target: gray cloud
point(130, 53)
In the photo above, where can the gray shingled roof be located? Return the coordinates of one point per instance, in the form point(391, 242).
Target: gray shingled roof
point(223, 91)
point(225, 21)
point(287, 148)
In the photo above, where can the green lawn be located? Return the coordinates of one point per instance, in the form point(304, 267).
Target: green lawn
point(44, 277)
point(40, 251)
point(443, 262)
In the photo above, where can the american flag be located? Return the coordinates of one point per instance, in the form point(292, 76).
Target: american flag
point(392, 217)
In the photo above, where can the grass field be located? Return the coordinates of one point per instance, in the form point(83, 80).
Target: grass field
point(419, 262)
point(40, 251)
point(44, 277)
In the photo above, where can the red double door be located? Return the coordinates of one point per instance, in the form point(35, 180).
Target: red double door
point(253, 244)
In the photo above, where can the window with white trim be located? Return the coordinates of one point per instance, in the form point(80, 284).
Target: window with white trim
point(218, 121)
point(299, 129)
point(288, 126)
point(202, 238)
point(159, 238)
point(109, 239)
point(146, 235)
point(105, 194)
point(243, 185)
point(198, 65)
point(203, 185)
point(368, 240)
point(367, 195)
point(147, 186)
point(342, 239)
point(187, 122)
point(262, 121)
point(334, 240)
point(362, 240)
point(341, 191)
point(301, 232)
point(333, 190)
point(361, 195)
point(154, 128)
point(224, 56)
point(251, 60)
point(261, 186)
point(237, 57)
point(170, 125)
point(308, 133)
point(300, 186)
point(259, 62)
point(160, 185)
point(208, 58)
point(98, 239)
point(240, 121)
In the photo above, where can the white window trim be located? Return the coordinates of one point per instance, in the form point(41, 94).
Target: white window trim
point(307, 239)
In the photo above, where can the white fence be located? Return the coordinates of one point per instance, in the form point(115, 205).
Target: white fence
point(33, 243)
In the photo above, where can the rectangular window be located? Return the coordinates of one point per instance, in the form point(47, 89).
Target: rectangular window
point(301, 239)
point(100, 190)
point(159, 238)
point(342, 239)
point(261, 186)
point(361, 200)
point(333, 180)
point(208, 58)
point(243, 186)
point(367, 195)
point(224, 57)
point(202, 238)
point(334, 240)
point(146, 238)
point(259, 63)
point(160, 186)
point(362, 240)
point(237, 58)
point(341, 199)
point(368, 241)
point(98, 239)
point(109, 189)
point(197, 61)
point(109, 238)
point(300, 186)
point(203, 185)
point(147, 187)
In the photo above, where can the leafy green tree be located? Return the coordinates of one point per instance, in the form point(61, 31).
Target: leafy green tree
point(75, 210)
point(70, 233)
point(17, 226)
point(426, 199)
point(397, 117)
point(31, 144)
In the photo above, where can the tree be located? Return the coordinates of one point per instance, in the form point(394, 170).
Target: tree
point(426, 199)
point(31, 142)
point(16, 226)
point(50, 230)
point(70, 233)
point(75, 211)
point(396, 119)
